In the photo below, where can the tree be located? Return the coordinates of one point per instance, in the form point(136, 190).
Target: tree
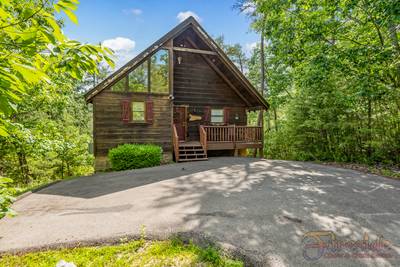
point(234, 52)
point(43, 120)
point(342, 91)
point(32, 46)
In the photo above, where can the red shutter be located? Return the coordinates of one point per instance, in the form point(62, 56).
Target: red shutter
point(126, 111)
point(207, 114)
point(226, 115)
point(149, 111)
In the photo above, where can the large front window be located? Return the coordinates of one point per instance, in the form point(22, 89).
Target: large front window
point(150, 76)
point(159, 72)
point(119, 86)
point(138, 79)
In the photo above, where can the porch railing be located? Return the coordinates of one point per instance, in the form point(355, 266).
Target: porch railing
point(248, 134)
point(203, 137)
point(232, 134)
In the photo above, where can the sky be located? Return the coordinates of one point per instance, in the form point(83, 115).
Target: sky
point(130, 26)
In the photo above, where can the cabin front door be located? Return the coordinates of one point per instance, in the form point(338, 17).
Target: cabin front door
point(180, 121)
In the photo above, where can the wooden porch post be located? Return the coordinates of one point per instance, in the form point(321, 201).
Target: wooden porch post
point(263, 80)
point(261, 150)
point(234, 141)
point(169, 45)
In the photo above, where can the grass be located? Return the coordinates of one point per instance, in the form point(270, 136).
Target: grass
point(386, 171)
point(135, 253)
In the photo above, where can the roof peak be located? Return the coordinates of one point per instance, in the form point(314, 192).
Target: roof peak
point(190, 21)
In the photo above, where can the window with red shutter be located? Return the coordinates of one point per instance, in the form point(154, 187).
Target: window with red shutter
point(125, 110)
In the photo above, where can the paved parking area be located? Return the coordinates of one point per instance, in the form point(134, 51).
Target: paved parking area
point(262, 208)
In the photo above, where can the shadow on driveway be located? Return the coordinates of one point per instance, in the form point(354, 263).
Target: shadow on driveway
point(107, 183)
point(261, 207)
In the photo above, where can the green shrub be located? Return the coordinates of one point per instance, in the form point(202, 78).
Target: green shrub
point(134, 156)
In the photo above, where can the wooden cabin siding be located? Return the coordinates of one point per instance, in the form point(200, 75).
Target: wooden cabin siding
point(196, 83)
point(198, 86)
point(110, 131)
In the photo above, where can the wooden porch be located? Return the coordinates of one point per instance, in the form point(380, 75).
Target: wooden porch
point(229, 137)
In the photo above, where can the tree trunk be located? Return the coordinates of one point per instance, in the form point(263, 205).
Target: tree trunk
point(23, 164)
point(241, 63)
point(260, 119)
point(369, 128)
point(395, 43)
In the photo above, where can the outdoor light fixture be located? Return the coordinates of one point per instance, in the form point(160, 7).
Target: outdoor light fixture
point(236, 116)
point(179, 60)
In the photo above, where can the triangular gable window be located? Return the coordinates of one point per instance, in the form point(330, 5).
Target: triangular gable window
point(138, 80)
point(150, 76)
point(159, 72)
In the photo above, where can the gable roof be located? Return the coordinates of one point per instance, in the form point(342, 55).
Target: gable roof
point(227, 65)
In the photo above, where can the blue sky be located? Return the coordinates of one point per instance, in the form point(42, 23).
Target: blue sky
point(129, 26)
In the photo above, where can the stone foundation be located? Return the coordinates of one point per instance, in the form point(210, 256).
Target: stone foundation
point(101, 163)
point(167, 157)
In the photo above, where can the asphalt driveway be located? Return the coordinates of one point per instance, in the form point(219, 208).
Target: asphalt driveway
point(261, 208)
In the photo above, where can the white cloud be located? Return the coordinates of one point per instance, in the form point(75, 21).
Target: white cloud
point(250, 46)
point(185, 14)
point(133, 11)
point(120, 44)
point(123, 49)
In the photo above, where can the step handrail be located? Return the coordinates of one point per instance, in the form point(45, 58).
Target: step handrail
point(175, 141)
point(203, 138)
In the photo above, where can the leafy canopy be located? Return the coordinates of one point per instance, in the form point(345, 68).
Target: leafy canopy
point(32, 46)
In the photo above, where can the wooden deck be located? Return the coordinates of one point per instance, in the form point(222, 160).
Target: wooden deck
point(229, 137)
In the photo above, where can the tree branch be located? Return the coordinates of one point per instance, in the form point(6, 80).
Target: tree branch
point(25, 19)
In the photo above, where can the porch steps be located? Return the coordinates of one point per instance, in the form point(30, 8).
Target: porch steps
point(191, 151)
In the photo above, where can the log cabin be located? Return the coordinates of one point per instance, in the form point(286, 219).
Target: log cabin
point(182, 93)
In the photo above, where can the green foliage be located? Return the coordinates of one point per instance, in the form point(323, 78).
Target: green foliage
point(49, 137)
point(44, 122)
point(212, 255)
point(134, 253)
point(134, 156)
point(32, 46)
point(234, 52)
point(6, 196)
point(333, 79)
